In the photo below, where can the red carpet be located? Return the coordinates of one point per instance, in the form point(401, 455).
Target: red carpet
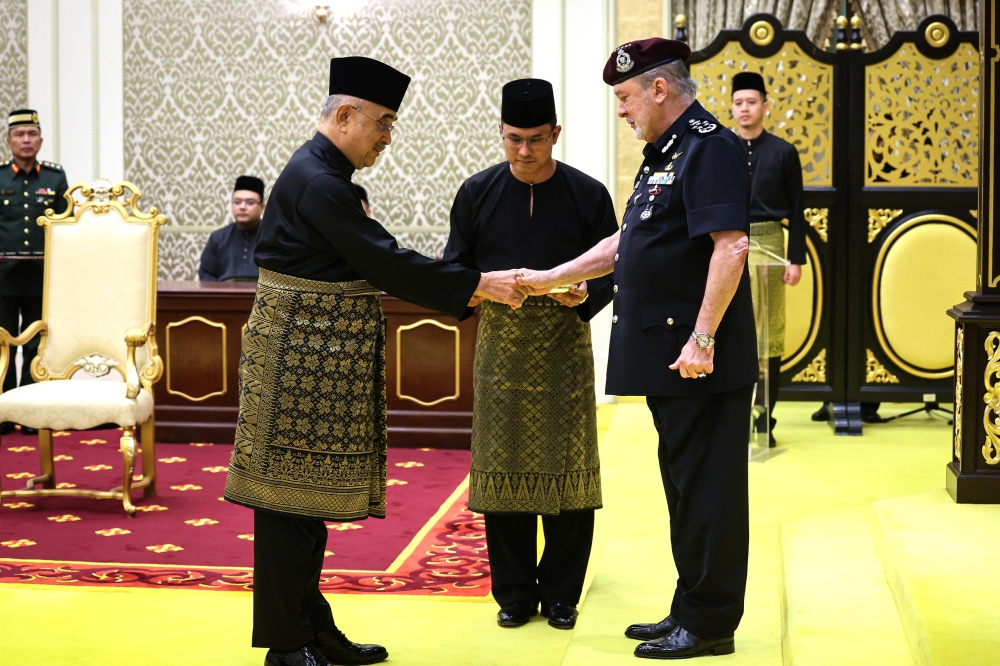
point(188, 537)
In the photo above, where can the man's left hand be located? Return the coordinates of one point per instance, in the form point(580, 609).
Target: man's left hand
point(694, 360)
point(576, 295)
point(793, 273)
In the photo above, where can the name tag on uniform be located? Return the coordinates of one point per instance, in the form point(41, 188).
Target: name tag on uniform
point(662, 178)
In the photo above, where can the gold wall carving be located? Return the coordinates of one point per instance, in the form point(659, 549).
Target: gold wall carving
point(875, 372)
point(922, 119)
point(14, 73)
point(170, 363)
point(991, 449)
point(959, 354)
point(815, 372)
point(221, 88)
point(937, 34)
point(819, 219)
point(879, 219)
point(800, 90)
point(399, 362)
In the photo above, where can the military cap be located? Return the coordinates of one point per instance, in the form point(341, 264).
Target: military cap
point(250, 184)
point(368, 79)
point(634, 58)
point(22, 117)
point(528, 103)
point(749, 81)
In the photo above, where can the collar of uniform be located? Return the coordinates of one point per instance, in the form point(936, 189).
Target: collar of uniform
point(676, 130)
point(753, 143)
point(17, 169)
point(333, 155)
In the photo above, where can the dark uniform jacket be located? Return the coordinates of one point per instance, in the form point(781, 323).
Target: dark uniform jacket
point(228, 255)
point(315, 228)
point(692, 182)
point(24, 196)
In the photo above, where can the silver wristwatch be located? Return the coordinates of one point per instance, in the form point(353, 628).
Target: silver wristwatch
point(704, 340)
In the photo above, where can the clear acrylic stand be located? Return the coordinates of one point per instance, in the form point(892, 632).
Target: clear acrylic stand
point(760, 260)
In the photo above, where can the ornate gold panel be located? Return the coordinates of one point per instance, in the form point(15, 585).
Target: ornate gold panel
point(798, 353)
point(800, 90)
point(879, 219)
point(170, 363)
point(819, 219)
point(399, 362)
point(815, 372)
point(922, 117)
point(959, 353)
point(991, 449)
point(875, 372)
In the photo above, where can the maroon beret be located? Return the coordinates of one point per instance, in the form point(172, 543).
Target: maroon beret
point(635, 58)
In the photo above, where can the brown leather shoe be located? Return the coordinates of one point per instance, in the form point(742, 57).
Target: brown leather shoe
point(683, 645)
point(649, 632)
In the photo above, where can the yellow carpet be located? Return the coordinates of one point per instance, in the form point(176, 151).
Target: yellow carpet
point(817, 594)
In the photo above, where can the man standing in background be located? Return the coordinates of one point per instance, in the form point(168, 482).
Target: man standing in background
point(228, 255)
point(27, 188)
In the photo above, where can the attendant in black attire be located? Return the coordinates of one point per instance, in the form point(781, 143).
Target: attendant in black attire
point(228, 255)
point(311, 435)
point(534, 429)
point(363, 195)
point(775, 195)
point(682, 335)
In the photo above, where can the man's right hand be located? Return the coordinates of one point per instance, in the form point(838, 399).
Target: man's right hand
point(502, 287)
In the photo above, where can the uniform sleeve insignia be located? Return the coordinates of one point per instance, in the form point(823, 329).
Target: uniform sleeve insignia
point(52, 165)
point(703, 126)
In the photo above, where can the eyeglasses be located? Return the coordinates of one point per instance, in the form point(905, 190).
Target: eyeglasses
point(532, 142)
point(382, 125)
point(248, 202)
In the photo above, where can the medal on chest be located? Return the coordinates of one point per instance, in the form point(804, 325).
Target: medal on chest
point(646, 214)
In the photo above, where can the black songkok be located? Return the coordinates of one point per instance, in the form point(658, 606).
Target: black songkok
point(749, 81)
point(22, 117)
point(528, 103)
point(250, 184)
point(368, 79)
point(634, 58)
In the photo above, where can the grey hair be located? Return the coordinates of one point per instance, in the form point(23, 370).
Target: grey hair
point(677, 76)
point(333, 102)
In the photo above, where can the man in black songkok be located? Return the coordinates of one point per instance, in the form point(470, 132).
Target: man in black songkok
point(228, 255)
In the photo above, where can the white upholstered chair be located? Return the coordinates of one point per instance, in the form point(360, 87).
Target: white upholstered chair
point(98, 316)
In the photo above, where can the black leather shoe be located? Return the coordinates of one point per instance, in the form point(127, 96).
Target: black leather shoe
point(6, 428)
point(649, 632)
point(339, 650)
point(561, 616)
point(515, 616)
point(25, 430)
point(307, 656)
point(683, 645)
point(823, 413)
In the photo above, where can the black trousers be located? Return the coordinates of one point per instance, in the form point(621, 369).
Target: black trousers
point(519, 578)
point(703, 463)
point(288, 608)
point(30, 310)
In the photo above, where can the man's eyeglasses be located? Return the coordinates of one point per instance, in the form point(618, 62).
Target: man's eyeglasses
point(532, 142)
point(382, 125)
point(248, 202)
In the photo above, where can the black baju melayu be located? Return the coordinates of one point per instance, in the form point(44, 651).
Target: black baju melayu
point(534, 432)
point(228, 255)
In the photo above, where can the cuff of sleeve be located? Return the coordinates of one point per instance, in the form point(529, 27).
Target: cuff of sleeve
point(723, 217)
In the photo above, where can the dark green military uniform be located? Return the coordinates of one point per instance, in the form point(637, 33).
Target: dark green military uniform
point(24, 196)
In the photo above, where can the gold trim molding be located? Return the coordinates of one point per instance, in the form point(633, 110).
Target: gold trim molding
point(875, 372)
point(959, 354)
point(819, 219)
point(879, 219)
point(399, 362)
point(991, 449)
point(214, 324)
point(815, 372)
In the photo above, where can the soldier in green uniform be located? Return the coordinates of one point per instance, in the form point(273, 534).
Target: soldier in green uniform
point(27, 188)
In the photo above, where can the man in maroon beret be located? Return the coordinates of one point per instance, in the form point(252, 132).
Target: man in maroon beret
point(683, 334)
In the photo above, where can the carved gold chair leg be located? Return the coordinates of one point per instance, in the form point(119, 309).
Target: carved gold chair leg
point(148, 431)
point(128, 450)
point(48, 465)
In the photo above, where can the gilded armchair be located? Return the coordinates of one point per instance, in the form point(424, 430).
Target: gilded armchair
point(98, 317)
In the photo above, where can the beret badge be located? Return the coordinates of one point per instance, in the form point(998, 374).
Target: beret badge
point(623, 62)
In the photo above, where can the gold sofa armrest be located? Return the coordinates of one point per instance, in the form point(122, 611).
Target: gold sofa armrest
point(7, 340)
point(135, 337)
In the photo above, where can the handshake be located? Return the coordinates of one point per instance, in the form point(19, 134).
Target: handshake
point(513, 286)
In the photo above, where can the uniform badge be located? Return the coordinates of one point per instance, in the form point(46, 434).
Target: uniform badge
point(646, 214)
point(655, 189)
point(676, 155)
point(702, 126)
point(623, 62)
point(668, 179)
point(661, 178)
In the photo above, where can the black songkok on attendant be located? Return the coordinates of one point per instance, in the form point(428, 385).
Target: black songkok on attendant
point(250, 184)
point(22, 117)
point(749, 81)
point(528, 103)
point(634, 58)
point(368, 79)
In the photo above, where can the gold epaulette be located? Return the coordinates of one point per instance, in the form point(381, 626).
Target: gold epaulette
point(52, 165)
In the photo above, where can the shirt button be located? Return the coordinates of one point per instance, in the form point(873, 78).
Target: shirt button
point(25, 205)
point(5, 202)
point(25, 218)
point(750, 151)
point(26, 242)
point(25, 194)
point(651, 197)
point(615, 289)
point(645, 169)
point(614, 320)
point(25, 231)
point(625, 226)
point(670, 321)
point(25, 182)
point(616, 256)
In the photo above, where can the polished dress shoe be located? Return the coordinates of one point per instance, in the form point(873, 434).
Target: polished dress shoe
point(515, 616)
point(649, 632)
point(823, 413)
point(307, 656)
point(561, 616)
point(339, 650)
point(25, 430)
point(681, 644)
point(6, 428)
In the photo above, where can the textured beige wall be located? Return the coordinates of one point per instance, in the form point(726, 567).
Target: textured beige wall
point(13, 62)
point(637, 19)
point(216, 89)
